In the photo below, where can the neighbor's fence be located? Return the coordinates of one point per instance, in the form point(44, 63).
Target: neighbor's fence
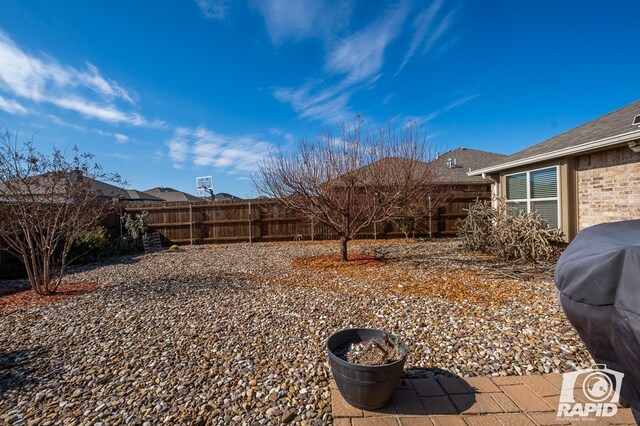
point(265, 220)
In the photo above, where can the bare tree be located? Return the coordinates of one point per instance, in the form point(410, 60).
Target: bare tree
point(46, 202)
point(352, 179)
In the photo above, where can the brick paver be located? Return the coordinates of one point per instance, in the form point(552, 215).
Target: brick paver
point(454, 385)
point(500, 401)
point(447, 421)
point(482, 420)
point(504, 381)
point(546, 419)
point(515, 419)
point(507, 405)
point(526, 399)
point(482, 384)
point(378, 421)
point(540, 386)
point(408, 403)
point(428, 387)
point(438, 405)
point(481, 403)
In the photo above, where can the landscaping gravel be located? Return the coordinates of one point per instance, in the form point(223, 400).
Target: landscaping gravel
point(235, 334)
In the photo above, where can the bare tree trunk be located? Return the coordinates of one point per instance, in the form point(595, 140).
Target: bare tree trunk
point(343, 249)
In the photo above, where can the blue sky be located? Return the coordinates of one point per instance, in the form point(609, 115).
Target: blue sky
point(163, 92)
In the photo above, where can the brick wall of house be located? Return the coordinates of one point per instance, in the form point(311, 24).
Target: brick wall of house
point(608, 187)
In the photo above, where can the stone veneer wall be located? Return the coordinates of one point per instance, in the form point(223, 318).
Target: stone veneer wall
point(608, 187)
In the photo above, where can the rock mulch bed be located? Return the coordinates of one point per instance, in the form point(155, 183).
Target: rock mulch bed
point(235, 333)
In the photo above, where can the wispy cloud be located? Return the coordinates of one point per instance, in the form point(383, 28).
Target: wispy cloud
point(423, 119)
point(300, 19)
point(206, 148)
point(351, 64)
point(421, 24)
point(360, 57)
point(213, 9)
point(12, 107)
point(44, 80)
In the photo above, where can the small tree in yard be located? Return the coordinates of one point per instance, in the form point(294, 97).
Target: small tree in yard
point(46, 203)
point(352, 179)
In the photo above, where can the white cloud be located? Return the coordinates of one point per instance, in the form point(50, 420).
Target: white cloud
point(300, 19)
point(422, 119)
point(207, 148)
point(120, 138)
point(439, 31)
point(356, 62)
point(44, 80)
point(214, 9)
point(12, 107)
point(360, 57)
point(422, 24)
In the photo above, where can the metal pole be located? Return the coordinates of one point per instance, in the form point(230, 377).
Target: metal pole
point(120, 222)
point(190, 224)
point(250, 233)
point(375, 231)
point(430, 233)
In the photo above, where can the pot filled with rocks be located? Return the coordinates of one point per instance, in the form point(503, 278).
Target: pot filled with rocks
point(367, 365)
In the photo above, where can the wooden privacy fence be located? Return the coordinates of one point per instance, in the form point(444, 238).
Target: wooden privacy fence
point(265, 220)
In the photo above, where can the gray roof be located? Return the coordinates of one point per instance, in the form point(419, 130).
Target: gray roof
point(465, 159)
point(135, 195)
point(225, 196)
point(616, 123)
point(171, 195)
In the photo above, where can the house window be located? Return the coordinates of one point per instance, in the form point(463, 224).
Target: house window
point(535, 190)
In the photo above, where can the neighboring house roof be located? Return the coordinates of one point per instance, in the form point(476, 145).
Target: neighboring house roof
point(42, 183)
point(450, 167)
point(610, 129)
point(224, 196)
point(454, 165)
point(135, 195)
point(171, 195)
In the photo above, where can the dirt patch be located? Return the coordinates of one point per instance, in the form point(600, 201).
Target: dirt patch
point(356, 260)
point(26, 298)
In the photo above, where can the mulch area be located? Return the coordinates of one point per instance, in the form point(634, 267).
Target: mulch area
point(356, 260)
point(26, 297)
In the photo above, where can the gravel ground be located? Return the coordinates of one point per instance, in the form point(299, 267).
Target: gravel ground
point(235, 334)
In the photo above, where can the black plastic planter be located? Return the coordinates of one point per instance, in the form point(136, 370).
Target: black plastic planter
point(364, 386)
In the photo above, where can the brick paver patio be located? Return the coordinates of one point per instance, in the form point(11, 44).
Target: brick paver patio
point(487, 401)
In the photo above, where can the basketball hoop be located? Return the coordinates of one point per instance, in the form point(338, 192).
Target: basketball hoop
point(204, 184)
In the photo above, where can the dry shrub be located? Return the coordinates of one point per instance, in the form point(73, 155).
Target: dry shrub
point(510, 234)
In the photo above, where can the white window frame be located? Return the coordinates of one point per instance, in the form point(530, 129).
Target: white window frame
point(528, 200)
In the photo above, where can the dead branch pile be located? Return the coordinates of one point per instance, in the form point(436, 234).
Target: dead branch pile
point(505, 232)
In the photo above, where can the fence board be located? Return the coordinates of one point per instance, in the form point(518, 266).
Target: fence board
point(266, 220)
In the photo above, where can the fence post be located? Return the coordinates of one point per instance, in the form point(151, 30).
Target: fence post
point(250, 231)
point(120, 221)
point(375, 231)
point(430, 233)
point(313, 231)
point(190, 224)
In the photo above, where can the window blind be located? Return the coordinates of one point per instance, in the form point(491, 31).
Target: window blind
point(544, 183)
point(517, 187)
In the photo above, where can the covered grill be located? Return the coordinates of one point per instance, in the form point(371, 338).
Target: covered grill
point(598, 277)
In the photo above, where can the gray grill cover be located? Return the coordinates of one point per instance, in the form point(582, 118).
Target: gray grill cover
point(598, 277)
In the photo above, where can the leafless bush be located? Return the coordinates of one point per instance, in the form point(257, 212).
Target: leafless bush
point(46, 203)
point(353, 179)
point(506, 233)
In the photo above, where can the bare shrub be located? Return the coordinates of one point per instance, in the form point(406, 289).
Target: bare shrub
point(351, 180)
point(47, 202)
point(510, 234)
